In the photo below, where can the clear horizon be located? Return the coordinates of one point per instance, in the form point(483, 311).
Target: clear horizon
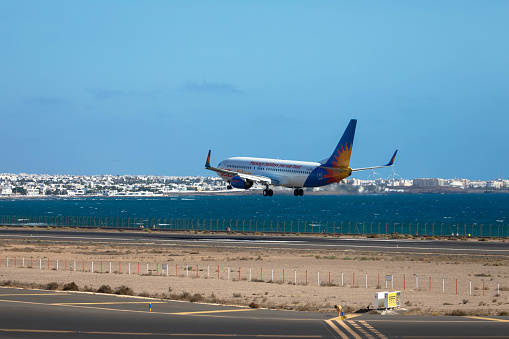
point(149, 87)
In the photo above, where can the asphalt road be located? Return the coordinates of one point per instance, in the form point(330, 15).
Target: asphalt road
point(249, 241)
point(48, 314)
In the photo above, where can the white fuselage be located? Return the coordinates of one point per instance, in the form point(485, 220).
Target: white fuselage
point(286, 173)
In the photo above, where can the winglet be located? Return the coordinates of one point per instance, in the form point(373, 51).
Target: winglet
point(207, 163)
point(392, 159)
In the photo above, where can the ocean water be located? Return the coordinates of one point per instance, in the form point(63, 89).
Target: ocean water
point(437, 213)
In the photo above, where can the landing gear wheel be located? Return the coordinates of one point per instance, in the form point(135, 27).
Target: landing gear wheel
point(301, 192)
point(296, 192)
point(265, 193)
point(270, 193)
point(229, 187)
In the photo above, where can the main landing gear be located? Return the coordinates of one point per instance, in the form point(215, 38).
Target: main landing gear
point(229, 187)
point(267, 192)
point(298, 192)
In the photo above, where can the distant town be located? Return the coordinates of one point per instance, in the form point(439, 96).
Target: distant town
point(42, 185)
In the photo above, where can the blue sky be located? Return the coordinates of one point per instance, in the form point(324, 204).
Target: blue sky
point(148, 87)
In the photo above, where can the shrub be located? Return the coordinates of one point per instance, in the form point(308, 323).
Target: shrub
point(52, 286)
point(459, 313)
point(105, 289)
point(71, 287)
point(196, 298)
point(124, 290)
point(254, 305)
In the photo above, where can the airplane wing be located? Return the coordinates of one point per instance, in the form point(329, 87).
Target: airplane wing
point(390, 163)
point(254, 178)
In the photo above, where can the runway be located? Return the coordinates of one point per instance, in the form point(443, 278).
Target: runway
point(276, 242)
point(50, 314)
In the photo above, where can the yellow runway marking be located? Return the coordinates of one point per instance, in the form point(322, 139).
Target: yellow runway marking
point(335, 328)
point(110, 303)
point(492, 319)
point(345, 326)
point(206, 312)
point(350, 316)
point(198, 314)
point(199, 335)
point(8, 295)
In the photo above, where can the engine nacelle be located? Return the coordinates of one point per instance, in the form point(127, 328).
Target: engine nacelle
point(238, 182)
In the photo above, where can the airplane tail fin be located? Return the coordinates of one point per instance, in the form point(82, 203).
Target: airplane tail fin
point(341, 155)
point(207, 162)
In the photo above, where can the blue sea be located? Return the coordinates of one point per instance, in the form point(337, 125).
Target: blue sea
point(428, 213)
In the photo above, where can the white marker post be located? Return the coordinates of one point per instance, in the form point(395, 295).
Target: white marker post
point(318, 278)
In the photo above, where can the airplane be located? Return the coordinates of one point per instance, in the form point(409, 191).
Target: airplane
point(244, 172)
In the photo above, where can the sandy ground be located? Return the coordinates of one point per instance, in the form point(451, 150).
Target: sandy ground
point(266, 287)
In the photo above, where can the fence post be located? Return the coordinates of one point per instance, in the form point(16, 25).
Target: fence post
point(342, 280)
point(318, 278)
point(366, 280)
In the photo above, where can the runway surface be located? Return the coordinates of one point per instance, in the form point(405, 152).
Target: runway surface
point(49, 314)
point(249, 241)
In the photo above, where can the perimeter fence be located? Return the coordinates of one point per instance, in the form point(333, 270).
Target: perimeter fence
point(263, 226)
point(478, 285)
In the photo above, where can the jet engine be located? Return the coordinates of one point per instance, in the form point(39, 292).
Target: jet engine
point(238, 182)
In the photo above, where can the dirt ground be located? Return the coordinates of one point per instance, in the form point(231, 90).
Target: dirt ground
point(249, 276)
